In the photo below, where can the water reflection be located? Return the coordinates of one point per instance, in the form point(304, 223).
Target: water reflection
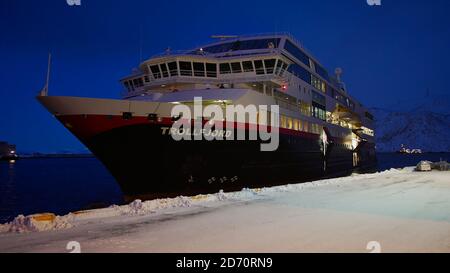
point(7, 187)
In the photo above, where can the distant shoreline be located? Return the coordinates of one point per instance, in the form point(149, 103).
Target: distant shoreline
point(40, 156)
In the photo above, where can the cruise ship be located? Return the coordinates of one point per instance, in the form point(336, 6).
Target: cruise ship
point(323, 130)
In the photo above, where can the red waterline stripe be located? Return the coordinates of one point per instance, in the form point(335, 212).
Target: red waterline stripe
point(86, 126)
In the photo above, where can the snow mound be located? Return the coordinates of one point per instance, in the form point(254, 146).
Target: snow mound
point(25, 224)
point(47, 222)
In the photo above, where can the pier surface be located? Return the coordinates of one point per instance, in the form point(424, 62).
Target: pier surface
point(399, 210)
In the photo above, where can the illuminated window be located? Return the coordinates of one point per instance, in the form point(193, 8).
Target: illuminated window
point(305, 108)
point(296, 122)
point(290, 124)
point(318, 83)
point(306, 126)
point(283, 122)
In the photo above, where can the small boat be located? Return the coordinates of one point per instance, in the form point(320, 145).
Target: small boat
point(404, 150)
point(424, 166)
point(7, 151)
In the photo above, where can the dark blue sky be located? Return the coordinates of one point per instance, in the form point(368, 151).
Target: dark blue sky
point(388, 53)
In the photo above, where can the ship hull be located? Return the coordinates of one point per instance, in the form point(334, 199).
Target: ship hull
point(147, 163)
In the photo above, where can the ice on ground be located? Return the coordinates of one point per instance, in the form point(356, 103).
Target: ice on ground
point(24, 224)
point(403, 210)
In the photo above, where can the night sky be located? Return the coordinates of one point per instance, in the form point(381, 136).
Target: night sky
point(391, 52)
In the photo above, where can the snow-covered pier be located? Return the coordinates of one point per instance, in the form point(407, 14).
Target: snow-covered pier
point(392, 211)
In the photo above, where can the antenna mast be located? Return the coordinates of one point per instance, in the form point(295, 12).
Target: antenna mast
point(44, 91)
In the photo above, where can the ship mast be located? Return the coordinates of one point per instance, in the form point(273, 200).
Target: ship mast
point(44, 91)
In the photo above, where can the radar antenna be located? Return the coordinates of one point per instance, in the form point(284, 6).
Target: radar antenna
point(338, 71)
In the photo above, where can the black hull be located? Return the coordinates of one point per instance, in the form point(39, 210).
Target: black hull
point(148, 164)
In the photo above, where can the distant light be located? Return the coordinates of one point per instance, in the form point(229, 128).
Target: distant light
point(13, 152)
point(284, 87)
point(163, 85)
point(12, 161)
point(201, 49)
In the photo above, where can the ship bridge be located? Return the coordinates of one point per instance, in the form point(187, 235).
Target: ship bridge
point(276, 65)
point(253, 62)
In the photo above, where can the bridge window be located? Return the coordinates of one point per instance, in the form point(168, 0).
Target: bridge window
point(243, 45)
point(127, 86)
point(321, 71)
point(236, 67)
point(248, 66)
point(199, 69)
point(259, 67)
point(297, 52)
point(225, 68)
point(283, 69)
point(173, 69)
point(138, 82)
point(211, 70)
point(270, 64)
point(165, 72)
point(186, 68)
point(278, 66)
point(155, 71)
point(300, 72)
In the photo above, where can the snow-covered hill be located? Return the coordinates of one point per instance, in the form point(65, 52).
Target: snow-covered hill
point(425, 126)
